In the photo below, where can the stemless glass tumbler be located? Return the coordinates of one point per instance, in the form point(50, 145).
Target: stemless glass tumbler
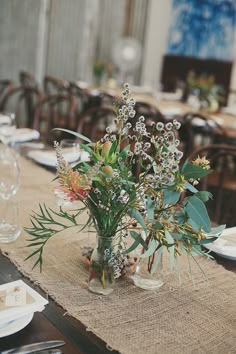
point(9, 184)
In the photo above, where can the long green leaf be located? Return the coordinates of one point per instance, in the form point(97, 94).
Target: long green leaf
point(196, 211)
point(151, 249)
point(134, 213)
point(204, 195)
point(157, 260)
point(78, 135)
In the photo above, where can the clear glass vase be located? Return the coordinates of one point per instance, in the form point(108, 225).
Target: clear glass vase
point(149, 272)
point(101, 270)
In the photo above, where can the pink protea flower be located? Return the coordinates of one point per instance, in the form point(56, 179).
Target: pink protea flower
point(72, 184)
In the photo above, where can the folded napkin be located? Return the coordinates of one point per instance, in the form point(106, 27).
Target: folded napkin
point(225, 245)
point(24, 134)
point(4, 119)
point(18, 300)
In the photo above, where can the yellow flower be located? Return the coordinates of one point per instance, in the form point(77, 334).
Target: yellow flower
point(202, 162)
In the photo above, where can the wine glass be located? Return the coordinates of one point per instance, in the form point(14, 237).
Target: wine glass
point(70, 150)
point(9, 184)
point(7, 127)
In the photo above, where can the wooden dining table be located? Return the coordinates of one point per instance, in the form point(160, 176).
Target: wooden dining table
point(51, 324)
point(175, 108)
point(54, 324)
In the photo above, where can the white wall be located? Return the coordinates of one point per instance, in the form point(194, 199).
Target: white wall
point(19, 25)
point(158, 20)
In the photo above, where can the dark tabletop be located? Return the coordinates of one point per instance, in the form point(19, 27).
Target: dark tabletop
point(51, 324)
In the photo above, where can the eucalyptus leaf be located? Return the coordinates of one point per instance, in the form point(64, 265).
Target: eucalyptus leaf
point(181, 217)
point(134, 213)
point(217, 230)
point(196, 211)
point(151, 249)
point(171, 197)
point(190, 187)
point(207, 240)
point(204, 195)
point(193, 224)
point(157, 260)
point(193, 171)
point(132, 247)
point(150, 209)
point(169, 238)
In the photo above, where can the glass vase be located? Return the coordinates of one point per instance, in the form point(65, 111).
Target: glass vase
point(101, 270)
point(149, 272)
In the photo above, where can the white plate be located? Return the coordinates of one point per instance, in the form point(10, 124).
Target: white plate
point(24, 134)
point(225, 245)
point(48, 158)
point(15, 325)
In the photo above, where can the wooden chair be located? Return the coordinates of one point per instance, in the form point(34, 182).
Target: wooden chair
point(55, 86)
point(81, 95)
point(94, 121)
point(222, 181)
point(56, 111)
point(22, 102)
point(150, 113)
point(27, 80)
point(5, 88)
point(101, 99)
point(198, 129)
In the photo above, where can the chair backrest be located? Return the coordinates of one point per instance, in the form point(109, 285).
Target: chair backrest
point(22, 102)
point(150, 113)
point(94, 121)
point(5, 87)
point(55, 86)
point(198, 129)
point(81, 95)
point(101, 99)
point(221, 181)
point(27, 80)
point(56, 111)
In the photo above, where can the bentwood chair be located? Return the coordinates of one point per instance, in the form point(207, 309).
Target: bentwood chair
point(56, 111)
point(5, 88)
point(55, 86)
point(27, 80)
point(22, 101)
point(150, 112)
point(101, 99)
point(221, 182)
point(198, 129)
point(94, 121)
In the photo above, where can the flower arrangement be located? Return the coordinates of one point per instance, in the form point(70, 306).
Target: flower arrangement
point(159, 209)
point(210, 94)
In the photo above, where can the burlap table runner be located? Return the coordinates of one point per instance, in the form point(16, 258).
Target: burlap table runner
point(174, 319)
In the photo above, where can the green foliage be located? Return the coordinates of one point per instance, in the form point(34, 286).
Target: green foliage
point(155, 202)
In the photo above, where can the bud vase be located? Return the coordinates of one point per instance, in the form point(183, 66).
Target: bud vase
point(148, 273)
point(101, 271)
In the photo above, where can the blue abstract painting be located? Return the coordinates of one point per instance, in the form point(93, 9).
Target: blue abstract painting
point(203, 29)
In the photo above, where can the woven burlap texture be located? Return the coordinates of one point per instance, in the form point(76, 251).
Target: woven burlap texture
point(174, 319)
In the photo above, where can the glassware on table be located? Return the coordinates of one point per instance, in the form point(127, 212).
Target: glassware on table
point(70, 149)
point(7, 127)
point(9, 184)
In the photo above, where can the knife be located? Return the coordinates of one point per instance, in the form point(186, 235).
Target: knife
point(35, 347)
